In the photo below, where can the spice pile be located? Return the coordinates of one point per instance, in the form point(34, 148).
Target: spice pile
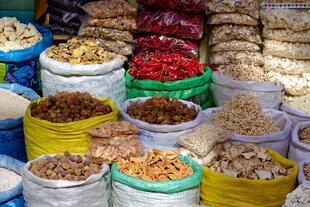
point(64, 167)
point(12, 105)
point(81, 51)
point(112, 21)
point(9, 179)
point(304, 135)
point(235, 39)
point(68, 107)
point(248, 161)
point(17, 36)
point(243, 115)
point(161, 110)
point(112, 141)
point(158, 165)
point(307, 171)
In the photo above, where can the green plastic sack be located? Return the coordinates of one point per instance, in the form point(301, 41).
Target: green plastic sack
point(168, 187)
point(196, 89)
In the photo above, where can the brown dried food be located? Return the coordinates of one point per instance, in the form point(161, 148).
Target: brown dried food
point(162, 110)
point(64, 167)
point(112, 129)
point(232, 18)
point(235, 45)
point(307, 171)
point(248, 161)
point(158, 165)
point(121, 23)
point(67, 107)
point(304, 135)
point(243, 72)
point(237, 57)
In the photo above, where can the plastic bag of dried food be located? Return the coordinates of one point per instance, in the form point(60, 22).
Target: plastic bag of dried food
point(237, 57)
point(235, 45)
point(287, 35)
point(112, 129)
point(299, 51)
point(222, 33)
point(203, 138)
point(171, 23)
point(154, 42)
point(250, 7)
point(121, 22)
point(286, 65)
point(295, 19)
point(68, 5)
point(108, 33)
point(193, 6)
point(60, 29)
point(232, 18)
point(54, 19)
point(65, 15)
point(109, 8)
point(118, 47)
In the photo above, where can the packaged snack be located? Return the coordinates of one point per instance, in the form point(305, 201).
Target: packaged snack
point(235, 45)
point(287, 35)
point(237, 57)
point(115, 46)
point(232, 18)
point(108, 33)
point(127, 23)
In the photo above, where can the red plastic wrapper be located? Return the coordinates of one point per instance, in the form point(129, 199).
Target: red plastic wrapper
point(194, 6)
point(170, 44)
point(171, 23)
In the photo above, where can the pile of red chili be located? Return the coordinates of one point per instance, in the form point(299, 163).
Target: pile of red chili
point(164, 67)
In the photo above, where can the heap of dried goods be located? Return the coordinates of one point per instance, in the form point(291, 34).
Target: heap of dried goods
point(113, 129)
point(243, 115)
point(12, 105)
point(81, 51)
point(8, 179)
point(64, 167)
point(248, 161)
point(304, 135)
point(17, 36)
point(67, 107)
point(158, 165)
point(307, 171)
point(162, 110)
point(300, 197)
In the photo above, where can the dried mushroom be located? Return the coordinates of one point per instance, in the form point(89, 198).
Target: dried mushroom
point(158, 165)
point(304, 135)
point(248, 161)
point(17, 36)
point(67, 107)
point(82, 51)
point(162, 110)
point(243, 115)
point(307, 171)
point(64, 167)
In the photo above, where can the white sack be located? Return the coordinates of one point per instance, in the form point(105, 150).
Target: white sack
point(295, 115)
point(278, 141)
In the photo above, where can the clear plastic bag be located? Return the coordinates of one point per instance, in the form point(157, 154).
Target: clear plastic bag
point(222, 33)
point(250, 7)
point(112, 129)
point(108, 33)
point(299, 51)
point(295, 19)
point(60, 29)
point(237, 57)
point(287, 35)
point(121, 23)
point(170, 44)
point(232, 18)
point(109, 8)
point(193, 6)
point(243, 72)
point(235, 45)
point(171, 23)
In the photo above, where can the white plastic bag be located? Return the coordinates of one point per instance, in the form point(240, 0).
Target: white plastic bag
point(223, 89)
point(278, 141)
point(298, 151)
point(301, 174)
point(295, 115)
point(93, 192)
point(67, 69)
point(111, 85)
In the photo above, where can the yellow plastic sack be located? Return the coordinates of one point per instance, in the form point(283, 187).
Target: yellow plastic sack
point(220, 190)
point(44, 137)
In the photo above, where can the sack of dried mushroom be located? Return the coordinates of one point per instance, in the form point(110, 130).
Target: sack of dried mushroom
point(246, 175)
point(300, 142)
point(304, 172)
point(163, 177)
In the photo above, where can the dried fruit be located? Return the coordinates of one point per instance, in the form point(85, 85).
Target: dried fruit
point(304, 135)
point(158, 165)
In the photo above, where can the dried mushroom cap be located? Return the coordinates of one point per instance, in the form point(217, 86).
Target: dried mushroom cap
point(248, 161)
point(304, 135)
point(307, 171)
point(158, 165)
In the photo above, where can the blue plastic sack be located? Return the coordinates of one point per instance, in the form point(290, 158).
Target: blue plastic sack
point(11, 130)
point(31, 52)
point(16, 166)
point(15, 202)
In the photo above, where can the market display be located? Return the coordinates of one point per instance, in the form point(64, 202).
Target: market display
point(158, 165)
point(243, 115)
point(304, 135)
point(12, 105)
point(299, 197)
point(15, 35)
point(9, 179)
point(162, 110)
point(67, 107)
